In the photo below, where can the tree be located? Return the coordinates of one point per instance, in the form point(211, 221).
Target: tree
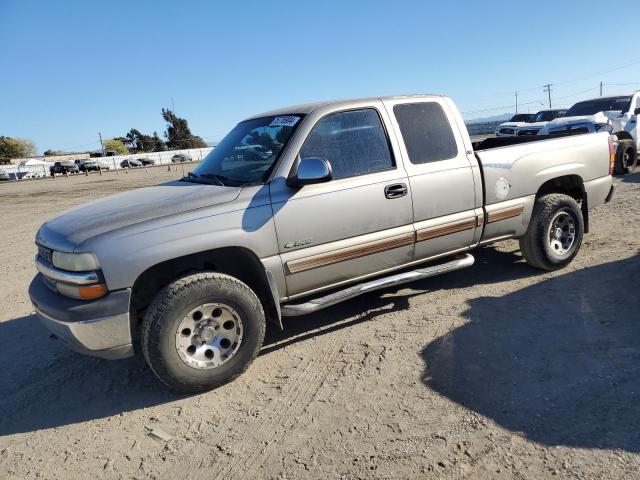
point(178, 133)
point(158, 144)
point(115, 145)
point(16, 148)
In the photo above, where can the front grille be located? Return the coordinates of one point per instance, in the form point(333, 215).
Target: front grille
point(506, 131)
point(527, 133)
point(45, 254)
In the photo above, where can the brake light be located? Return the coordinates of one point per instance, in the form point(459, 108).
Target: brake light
point(612, 155)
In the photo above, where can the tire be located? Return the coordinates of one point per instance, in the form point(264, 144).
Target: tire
point(540, 245)
point(172, 322)
point(626, 157)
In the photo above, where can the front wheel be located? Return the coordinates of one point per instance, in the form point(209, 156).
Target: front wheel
point(555, 232)
point(202, 331)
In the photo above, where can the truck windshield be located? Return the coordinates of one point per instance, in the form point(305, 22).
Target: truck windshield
point(248, 153)
point(591, 107)
point(547, 115)
point(521, 117)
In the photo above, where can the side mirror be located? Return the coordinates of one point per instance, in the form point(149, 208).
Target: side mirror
point(311, 170)
point(636, 111)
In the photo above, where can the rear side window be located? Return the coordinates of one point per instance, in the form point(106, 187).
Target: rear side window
point(426, 132)
point(354, 142)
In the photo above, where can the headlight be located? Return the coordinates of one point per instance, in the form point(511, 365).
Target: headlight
point(75, 262)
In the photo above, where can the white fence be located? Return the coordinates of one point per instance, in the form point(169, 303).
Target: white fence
point(22, 172)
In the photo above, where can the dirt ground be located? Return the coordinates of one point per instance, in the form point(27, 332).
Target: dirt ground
point(497, 371)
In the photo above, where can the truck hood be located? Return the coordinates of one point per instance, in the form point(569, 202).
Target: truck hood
point(512, 124)
point(78, 224)
point(599, 117)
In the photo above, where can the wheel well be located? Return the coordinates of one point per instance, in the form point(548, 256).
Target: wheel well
point(237, 262)
point(571, 185)
point(622, 135)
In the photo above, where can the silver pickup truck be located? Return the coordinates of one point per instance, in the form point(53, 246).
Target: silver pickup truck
point(298, 209)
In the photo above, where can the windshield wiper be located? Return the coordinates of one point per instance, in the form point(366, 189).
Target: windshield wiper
point(192, 177)
point(218, 179)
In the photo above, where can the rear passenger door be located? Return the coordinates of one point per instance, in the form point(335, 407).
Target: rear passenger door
point(351, 226)
point(446, 191)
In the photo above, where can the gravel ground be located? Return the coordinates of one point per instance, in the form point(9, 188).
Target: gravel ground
point(497, 371)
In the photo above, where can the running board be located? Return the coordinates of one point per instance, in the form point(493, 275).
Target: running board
point(316, 304)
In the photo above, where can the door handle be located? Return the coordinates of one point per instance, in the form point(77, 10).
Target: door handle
point(396, 190)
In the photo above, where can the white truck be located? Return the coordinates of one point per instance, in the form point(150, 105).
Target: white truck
point(539, 122)
point(508, 129)
point(617, 115)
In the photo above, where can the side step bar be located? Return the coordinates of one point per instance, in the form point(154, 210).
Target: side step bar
point(316, 304)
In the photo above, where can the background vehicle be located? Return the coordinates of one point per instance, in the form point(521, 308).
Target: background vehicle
point(87, 165)
point(130, 163)
point(357, 195)
point(4, 177)
point(63, 167)
point(180, 157)
point(540, 120)
point(507, 129)
point(146, 161)
point(617, 115)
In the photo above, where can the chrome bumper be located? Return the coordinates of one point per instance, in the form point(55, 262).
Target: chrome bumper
point(100, 328)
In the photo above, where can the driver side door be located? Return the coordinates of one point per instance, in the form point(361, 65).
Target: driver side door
point(352, 226)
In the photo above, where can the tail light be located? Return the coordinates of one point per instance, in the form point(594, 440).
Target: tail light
point(612, 154)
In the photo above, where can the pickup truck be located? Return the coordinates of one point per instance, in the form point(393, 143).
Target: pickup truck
point(355, 196)
point(63, 167)
point(617, 115)
point(508, 129)
point(541, 119)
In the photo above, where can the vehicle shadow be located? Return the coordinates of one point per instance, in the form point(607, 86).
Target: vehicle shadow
point(491, 266)
point(557, 361)
point(45, 385)
point(631, 177)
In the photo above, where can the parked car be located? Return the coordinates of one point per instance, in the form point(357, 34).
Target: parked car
point(146, 161)
point(64, 167)
point(508, 129)
point(357, 196)
point(539, 121)
point(180, 157)
point(4, 177)
point(617, 115)
point(87, 165)
point(130, 163)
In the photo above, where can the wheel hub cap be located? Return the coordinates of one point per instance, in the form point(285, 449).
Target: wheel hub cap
point(209, 335)
point(562, 233)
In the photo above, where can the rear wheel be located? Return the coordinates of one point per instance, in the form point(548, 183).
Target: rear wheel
point(555, 232)
point(626, 157)
point(202, 331)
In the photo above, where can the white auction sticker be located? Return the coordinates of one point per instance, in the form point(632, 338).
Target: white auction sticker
point(288, 121)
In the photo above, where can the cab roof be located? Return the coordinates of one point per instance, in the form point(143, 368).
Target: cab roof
point(307, 108)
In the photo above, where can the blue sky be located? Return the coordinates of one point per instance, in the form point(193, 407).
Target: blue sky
point(73, 68)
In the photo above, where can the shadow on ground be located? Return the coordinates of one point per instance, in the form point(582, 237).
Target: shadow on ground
point(631, 178)
point(44, 385)
point(558, 361)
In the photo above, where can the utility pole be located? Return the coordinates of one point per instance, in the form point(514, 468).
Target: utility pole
point(600, 88)
point(516, 102)
point(101, 144)
point(547, 88)
point(173, 109)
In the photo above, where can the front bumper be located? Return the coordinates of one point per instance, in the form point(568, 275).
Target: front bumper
point(100, 328)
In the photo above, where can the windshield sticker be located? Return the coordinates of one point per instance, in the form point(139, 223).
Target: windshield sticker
point(288, 121)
